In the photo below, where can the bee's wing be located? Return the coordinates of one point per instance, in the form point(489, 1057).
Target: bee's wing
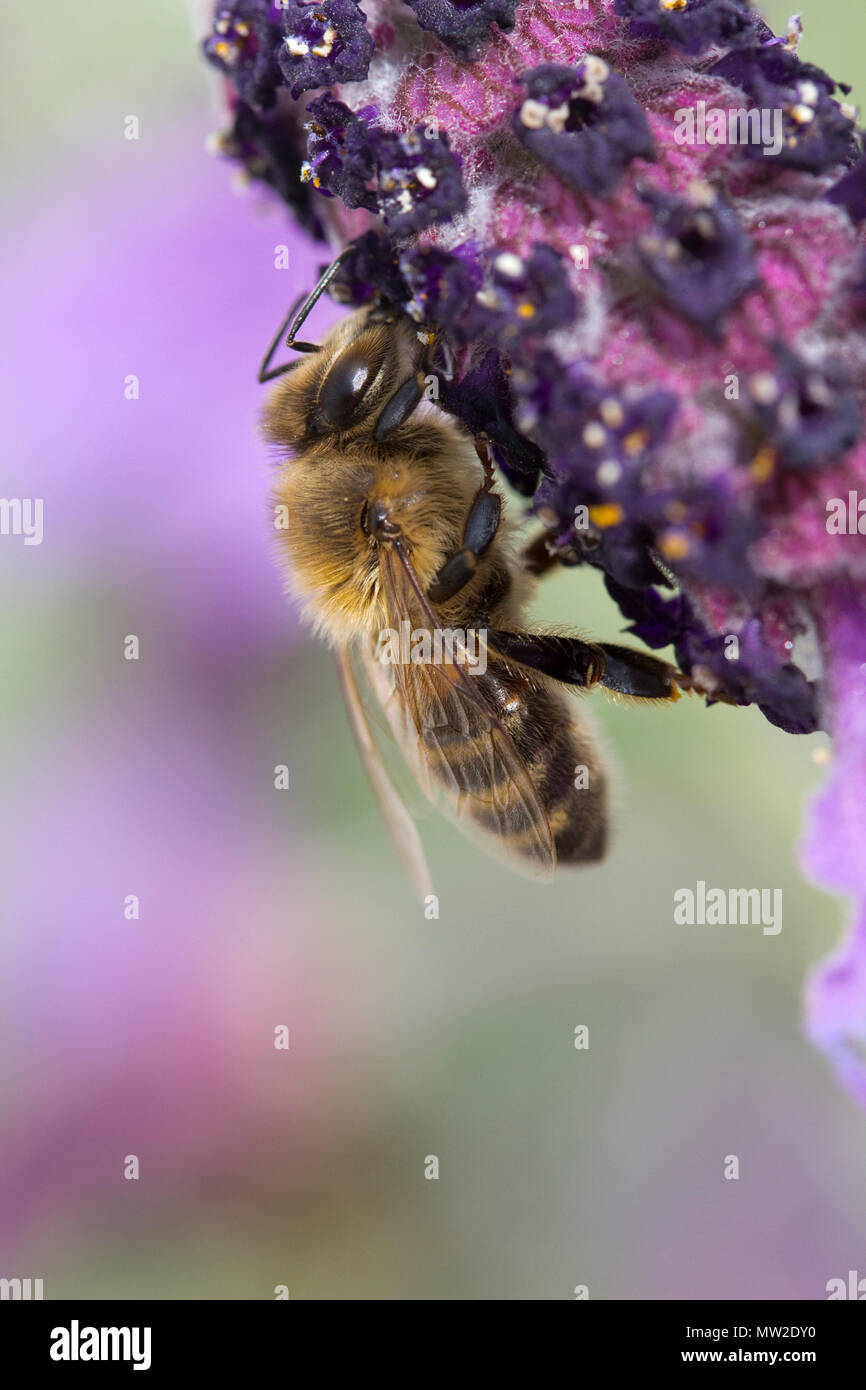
point(400, 824)
point(453, 738)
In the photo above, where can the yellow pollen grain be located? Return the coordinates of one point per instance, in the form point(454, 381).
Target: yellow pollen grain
point(525, 311)
point(673, 4)
point(635, 442)
point(763, 464)
point(606, 514)
point(674, 545)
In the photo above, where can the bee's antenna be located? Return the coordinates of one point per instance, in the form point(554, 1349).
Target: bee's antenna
point(266, 371)
point(294, 320)
point(312, 298)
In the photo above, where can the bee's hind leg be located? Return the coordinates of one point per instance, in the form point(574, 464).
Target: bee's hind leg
point(575, 662)
point(482, 523)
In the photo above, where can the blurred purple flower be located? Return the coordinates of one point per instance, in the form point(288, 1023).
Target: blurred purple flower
point(243, 45)
point(175, 476)
point(155, 1035)
point(834, 847)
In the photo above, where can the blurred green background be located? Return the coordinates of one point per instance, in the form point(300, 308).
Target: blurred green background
point(409, 1037)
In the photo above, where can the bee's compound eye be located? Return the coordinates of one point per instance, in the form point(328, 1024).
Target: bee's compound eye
point(345, 386)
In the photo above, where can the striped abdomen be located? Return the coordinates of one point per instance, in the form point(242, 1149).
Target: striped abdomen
point(560, 758)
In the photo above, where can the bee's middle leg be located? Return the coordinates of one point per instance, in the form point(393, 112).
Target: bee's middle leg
point(482, 523)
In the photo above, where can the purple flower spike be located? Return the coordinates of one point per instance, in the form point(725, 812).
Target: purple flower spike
point(583, 123)
point(325, 41)
point(464, 25)
point(243, 45)
point(693, 25)
point(698, 256)
point(836, 997)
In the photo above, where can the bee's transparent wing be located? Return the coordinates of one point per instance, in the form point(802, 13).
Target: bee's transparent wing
point(464, 758)
point(401, 827)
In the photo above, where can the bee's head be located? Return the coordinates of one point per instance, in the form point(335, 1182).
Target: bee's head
point(344, 492)
point(339, 390)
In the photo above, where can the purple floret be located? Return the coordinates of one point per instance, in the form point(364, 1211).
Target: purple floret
point(464, 25)
point(413, 179)
point(758, 676)
point(808, 413)
point(339, 160)
point(583, 123)
point(522, 298)
point(817, 132)
point(243, 45)
point(698, 256)
point(692, 25)
point(325, 41)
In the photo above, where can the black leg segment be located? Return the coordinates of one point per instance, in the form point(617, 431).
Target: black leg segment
point(398, 409)
point(565, 658)
point(454, 575)
point(482, 523)
point(637, 673)
point(575, 662)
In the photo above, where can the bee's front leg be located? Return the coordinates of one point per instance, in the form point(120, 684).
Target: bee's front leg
point(397, 410)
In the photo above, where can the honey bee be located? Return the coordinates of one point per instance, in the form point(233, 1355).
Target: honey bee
point(393, 518)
